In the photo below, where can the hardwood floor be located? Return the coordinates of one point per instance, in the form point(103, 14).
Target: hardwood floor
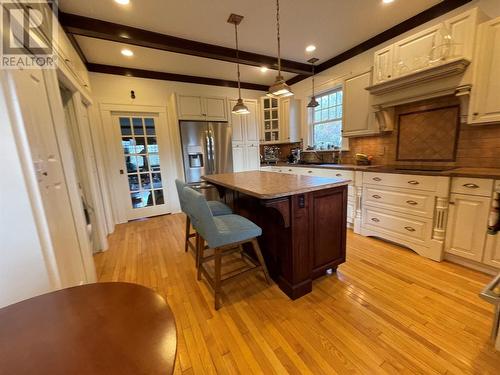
point(388, 310)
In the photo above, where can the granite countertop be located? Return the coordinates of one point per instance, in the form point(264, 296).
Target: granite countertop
point(269, 185)
point(493, 173)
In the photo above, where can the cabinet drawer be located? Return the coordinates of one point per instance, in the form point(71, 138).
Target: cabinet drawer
point(409, 181)
point(406, 227)
point(472, 186)
point(412, 202)
point(335, 173)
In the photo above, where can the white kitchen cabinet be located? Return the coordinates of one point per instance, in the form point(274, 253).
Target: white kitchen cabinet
point(246, 153)
point(194, 107)
point(491, 255)
point(467, 226)
point(412, 54)
point(359, 118)
point(484, 103)
point(280, 120)
point(238, 157)
point(383, 64)
point(462, 29)
point(290, 119)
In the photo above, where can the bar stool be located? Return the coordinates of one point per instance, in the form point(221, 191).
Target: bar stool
point(224, 235)
point(217, 208)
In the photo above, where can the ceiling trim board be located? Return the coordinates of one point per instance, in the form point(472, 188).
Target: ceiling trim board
point(94, 28)
point(164, 76)
point(407, 25)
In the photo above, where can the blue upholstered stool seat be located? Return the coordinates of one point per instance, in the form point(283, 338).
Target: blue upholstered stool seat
point(233, 229)
point(218, 208)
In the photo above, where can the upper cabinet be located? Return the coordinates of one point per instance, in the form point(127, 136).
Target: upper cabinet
point(444, 43)
point(193, 107)
point(359, 118)
point(245, 138)
point(280, 120)
point(484, 103)
point(383, 64)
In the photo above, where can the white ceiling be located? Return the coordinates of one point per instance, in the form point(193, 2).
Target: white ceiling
point(332, 25)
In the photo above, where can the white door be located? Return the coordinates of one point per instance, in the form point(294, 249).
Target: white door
point(37, 117)
point(252, 126)
point(141, 163)
point(467, 226)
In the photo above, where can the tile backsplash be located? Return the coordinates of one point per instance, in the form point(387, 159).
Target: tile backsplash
point(478, 146)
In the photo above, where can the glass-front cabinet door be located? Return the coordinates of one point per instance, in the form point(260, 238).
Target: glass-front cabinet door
point(271, 121)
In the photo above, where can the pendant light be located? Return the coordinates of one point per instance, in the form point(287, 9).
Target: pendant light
point(313, 103)
point(279, 88)
point(240, 108)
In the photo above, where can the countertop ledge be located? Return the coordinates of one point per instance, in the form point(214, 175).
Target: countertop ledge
point(491, 173)
point(269, 185)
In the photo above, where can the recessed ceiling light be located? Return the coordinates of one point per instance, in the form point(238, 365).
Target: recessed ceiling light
point(387, 1)
point(264, 69)
point(127, 52)
point(122, 2)
point(311, 48)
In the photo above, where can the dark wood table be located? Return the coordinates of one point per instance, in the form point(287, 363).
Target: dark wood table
point(303, 221)
point(103, 328)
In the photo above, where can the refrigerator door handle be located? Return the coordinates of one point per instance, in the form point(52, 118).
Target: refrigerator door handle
point(213, 151)
point(207, 147)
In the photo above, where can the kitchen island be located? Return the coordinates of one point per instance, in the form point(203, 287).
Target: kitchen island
point(303, 221)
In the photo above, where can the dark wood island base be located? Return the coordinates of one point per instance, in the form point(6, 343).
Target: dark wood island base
point(304, 234)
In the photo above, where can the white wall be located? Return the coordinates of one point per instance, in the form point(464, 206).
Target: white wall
point(107, 88)
point(332, 77)
point(23, 269)
point(113, 89)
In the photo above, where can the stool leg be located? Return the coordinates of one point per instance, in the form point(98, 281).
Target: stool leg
point(188, 229)
point(197, 250)
point(200, 249)
point(256, 247)
point(218, 272)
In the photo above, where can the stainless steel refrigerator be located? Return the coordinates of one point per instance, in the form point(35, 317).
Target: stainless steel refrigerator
point(206, 149)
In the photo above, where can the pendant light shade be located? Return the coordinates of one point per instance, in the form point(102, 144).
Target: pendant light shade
point(313, 103)
point(240, 108)
point(279, 88)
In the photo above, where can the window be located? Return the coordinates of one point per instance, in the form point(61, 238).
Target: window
point(327, 120)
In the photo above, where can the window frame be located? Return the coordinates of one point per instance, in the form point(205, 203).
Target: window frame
point(311, 123)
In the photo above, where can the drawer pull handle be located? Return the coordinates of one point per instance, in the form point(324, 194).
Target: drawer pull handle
point(410, 229)
point(376, 196)
point(309, 171)
point(376, 179)
point(413, 182)
point(339, 175)
point(289, 170)
point(471, 186)
point(413, 203)
point(375, 219)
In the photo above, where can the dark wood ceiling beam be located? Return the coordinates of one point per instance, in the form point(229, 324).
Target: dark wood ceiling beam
point(79, 25)
point(140, 73)
point(427, 15)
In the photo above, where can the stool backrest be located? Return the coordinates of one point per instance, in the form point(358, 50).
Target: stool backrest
point(180, 185)
point(201, 215)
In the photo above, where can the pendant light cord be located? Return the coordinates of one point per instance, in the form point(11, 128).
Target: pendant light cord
point(313, 78)
point(237, 59)
point(278, 33)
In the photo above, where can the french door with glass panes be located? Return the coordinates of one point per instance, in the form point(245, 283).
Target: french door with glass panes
point(142, 165)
